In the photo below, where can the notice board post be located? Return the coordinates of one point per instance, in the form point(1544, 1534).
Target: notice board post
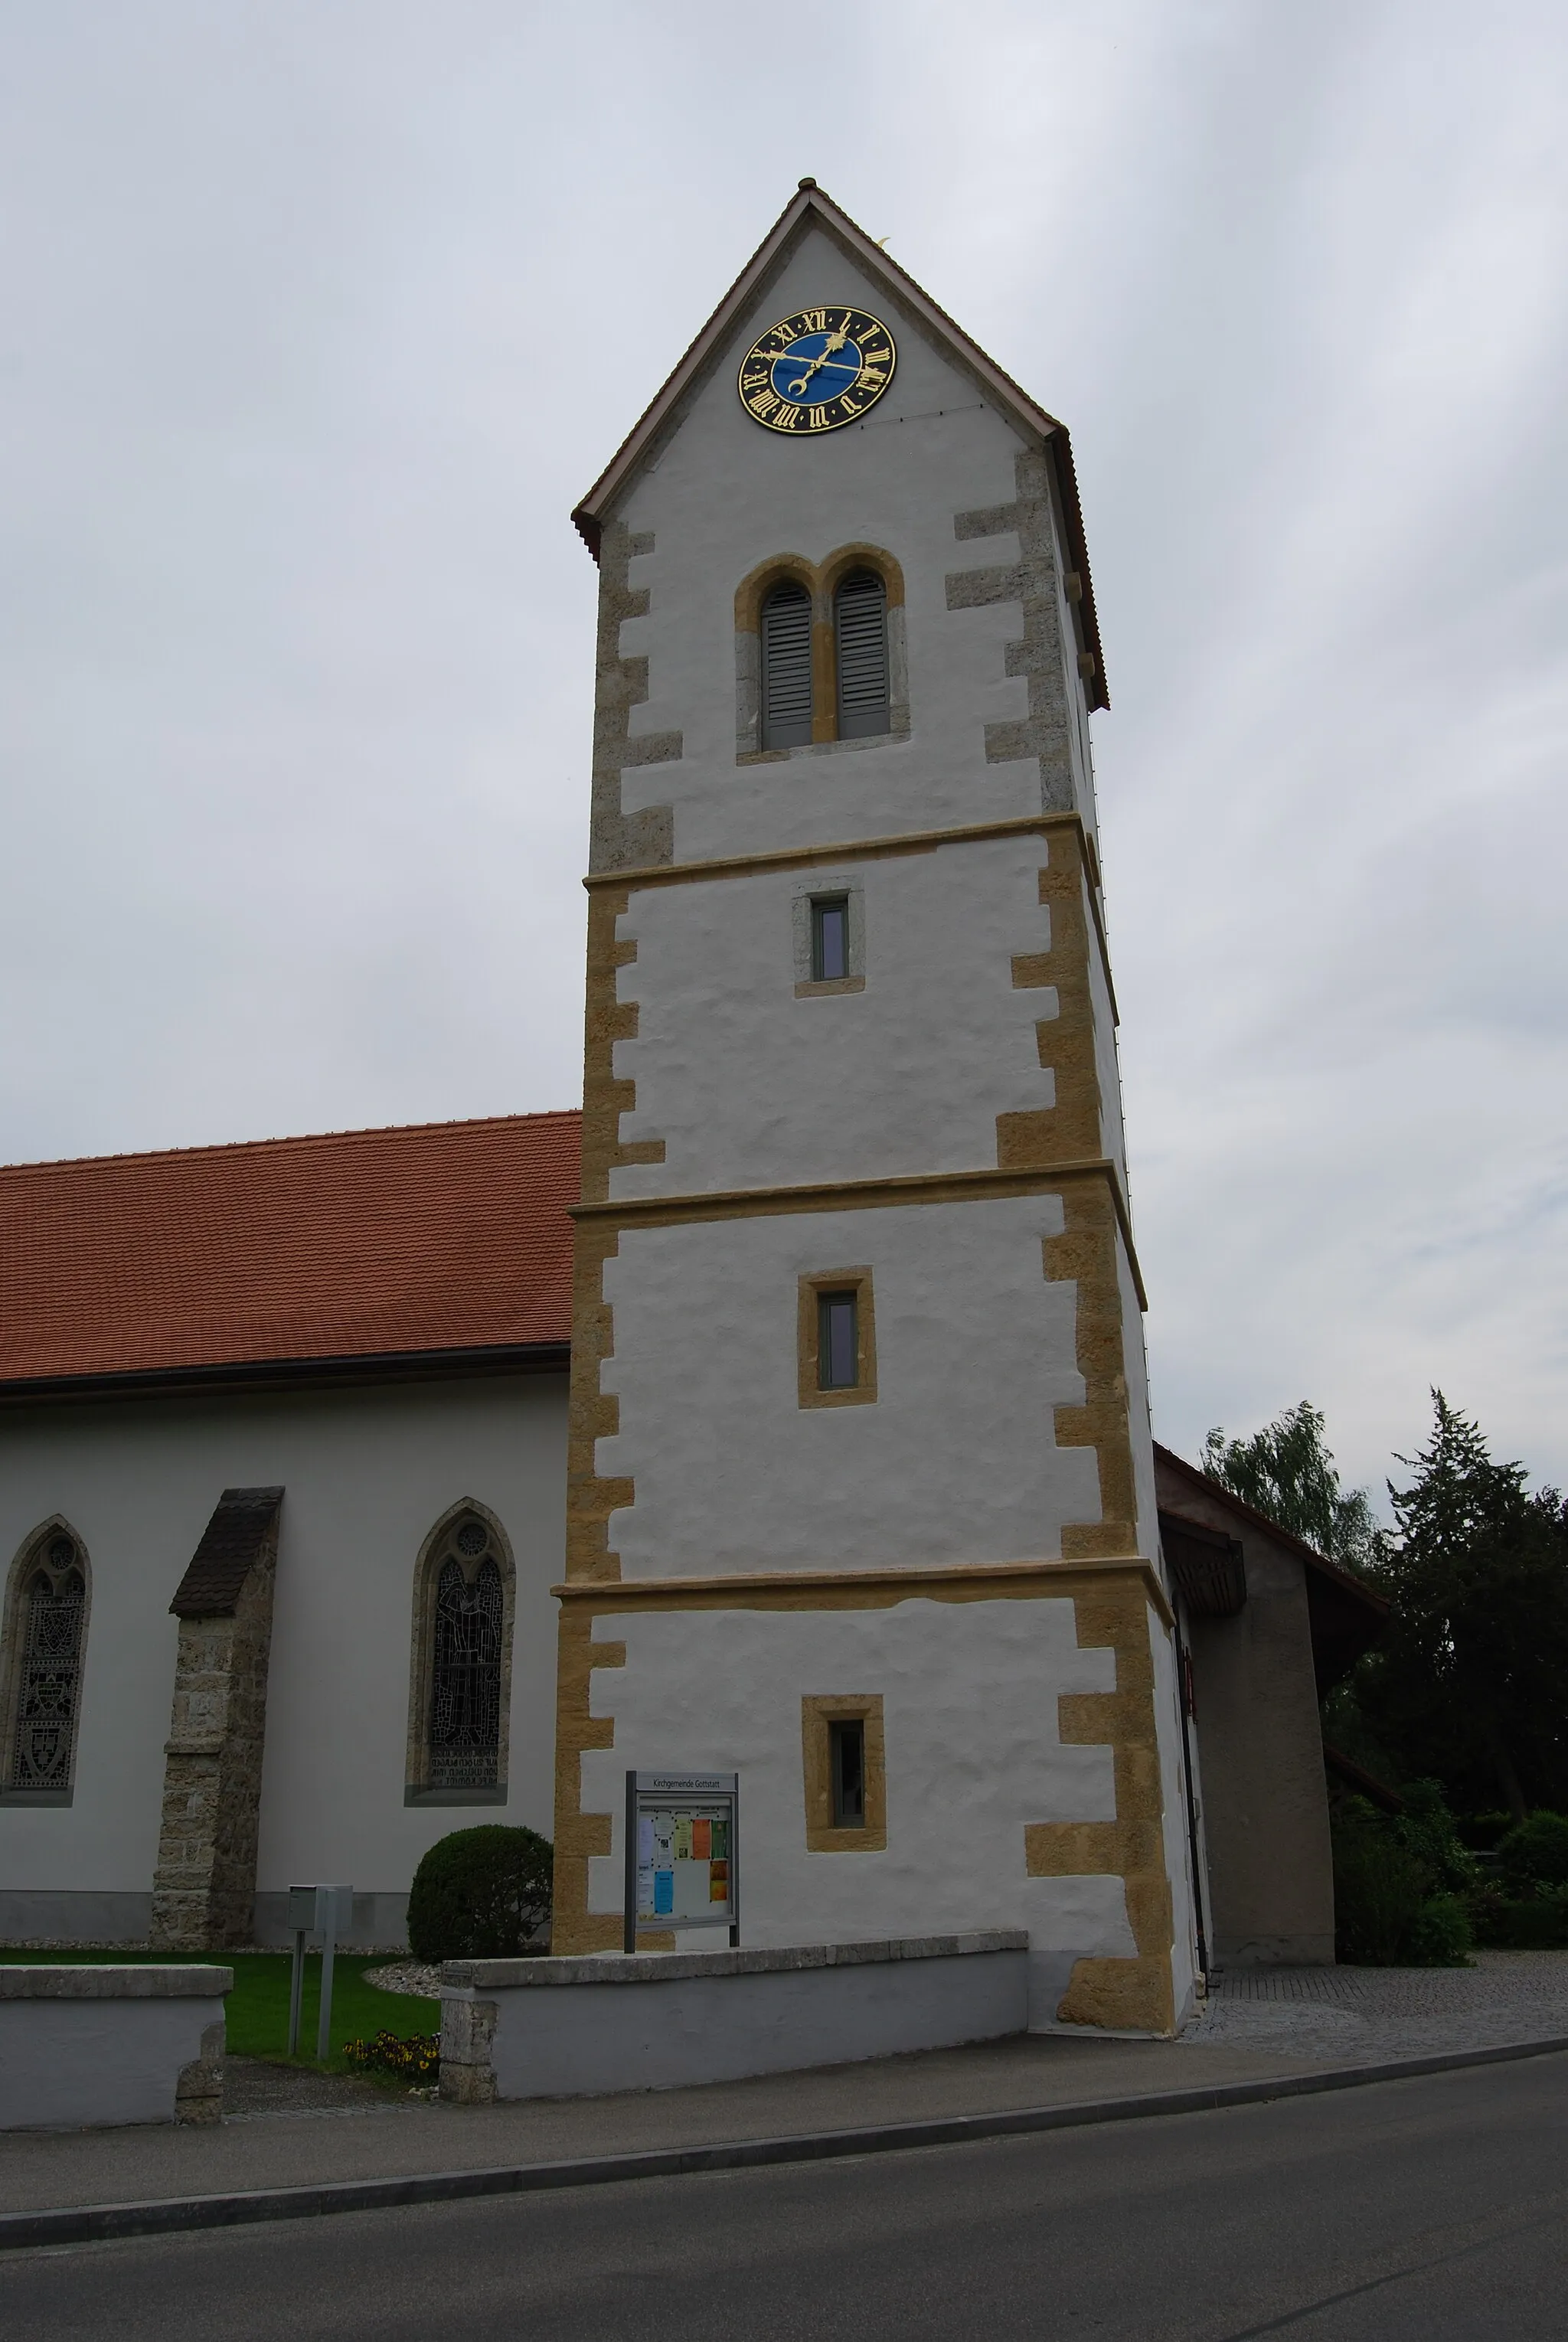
point(681, 1849)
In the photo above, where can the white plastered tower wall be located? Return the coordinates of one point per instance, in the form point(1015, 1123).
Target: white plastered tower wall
point(975, 1546)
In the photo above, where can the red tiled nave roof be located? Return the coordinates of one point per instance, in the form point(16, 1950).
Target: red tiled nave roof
point(448, 1236)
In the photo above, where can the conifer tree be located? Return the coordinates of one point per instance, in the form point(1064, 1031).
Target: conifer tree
point(1470, 1684)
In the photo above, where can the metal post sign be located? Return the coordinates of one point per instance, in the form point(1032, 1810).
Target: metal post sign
point(680, 1848)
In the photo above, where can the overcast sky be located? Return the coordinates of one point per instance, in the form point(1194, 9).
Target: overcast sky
point(317, 318)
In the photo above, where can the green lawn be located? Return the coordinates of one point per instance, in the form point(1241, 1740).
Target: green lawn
point(257, 2009)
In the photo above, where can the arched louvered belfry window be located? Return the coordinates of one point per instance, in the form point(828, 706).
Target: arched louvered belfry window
point(859, 616)
point(786, 668)
point(46, 1631)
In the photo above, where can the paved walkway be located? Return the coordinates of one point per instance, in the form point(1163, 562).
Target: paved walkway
point(403, 2134)
point(1345, 2014)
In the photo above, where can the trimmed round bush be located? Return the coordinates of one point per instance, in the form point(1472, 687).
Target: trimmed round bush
point(480, 1895)
point(1535, 1853)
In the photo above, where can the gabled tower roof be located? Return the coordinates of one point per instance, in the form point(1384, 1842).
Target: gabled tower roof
point(810, 207)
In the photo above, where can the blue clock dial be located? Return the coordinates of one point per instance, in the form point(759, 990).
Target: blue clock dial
point(817, 370)
point(816, 367)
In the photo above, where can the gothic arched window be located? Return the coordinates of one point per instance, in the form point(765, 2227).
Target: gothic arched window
point(786, 692)
point(860, 627)
point(462, 1663)
point(40, 1686)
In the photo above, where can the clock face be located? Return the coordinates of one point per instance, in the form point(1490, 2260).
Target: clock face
point(817, 370)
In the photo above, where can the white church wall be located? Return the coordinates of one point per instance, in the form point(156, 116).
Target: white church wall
point(366, 1474)
point(747, 1084)
point(971, 1753)
point(1167, 1691)
point(1135, 1369)
point(955, 1460)
point(1107, 1062)
point(931, 448)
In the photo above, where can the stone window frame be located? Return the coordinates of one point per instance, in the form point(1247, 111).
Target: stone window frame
point(418, 1788)
point(812, 1285)
point(822, 581)
point(817, 886)
point(12, 1658)
point(818, 1712)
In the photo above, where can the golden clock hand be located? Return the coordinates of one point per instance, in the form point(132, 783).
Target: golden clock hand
point(796, 388)
point(834, 342)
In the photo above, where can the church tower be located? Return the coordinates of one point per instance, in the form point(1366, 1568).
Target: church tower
point(861, 1501)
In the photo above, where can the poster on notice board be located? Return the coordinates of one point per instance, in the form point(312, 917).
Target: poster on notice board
point(681, 1852)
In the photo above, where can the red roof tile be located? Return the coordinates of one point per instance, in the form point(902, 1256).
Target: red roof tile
point(449, 1236)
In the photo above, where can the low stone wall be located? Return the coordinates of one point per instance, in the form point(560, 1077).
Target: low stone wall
point(656, 2020)
point(83, 2046)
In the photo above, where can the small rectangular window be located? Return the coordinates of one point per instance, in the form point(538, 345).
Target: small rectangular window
point(846, 1759)
point(838, 1343)
point(830, 939)
point(836, 1339)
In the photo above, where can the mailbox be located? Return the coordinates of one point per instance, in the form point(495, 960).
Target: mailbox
point(319, 1910)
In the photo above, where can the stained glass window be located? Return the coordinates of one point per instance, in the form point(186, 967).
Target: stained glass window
point(51, 1615)
point(465, 1673)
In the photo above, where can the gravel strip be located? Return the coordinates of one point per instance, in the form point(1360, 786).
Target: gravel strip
point(254, 2086)
point(407, 1976)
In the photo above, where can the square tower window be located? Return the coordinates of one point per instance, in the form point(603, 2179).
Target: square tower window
point(844, 1761)
point(838, 1340)
point(846, 1767)
point(830, 938)
point(829, 941)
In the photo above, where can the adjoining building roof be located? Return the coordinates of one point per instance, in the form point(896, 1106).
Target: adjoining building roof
point(1207, 1568)
point(437, 1242)
point(1344, 1614)
point(810, 206)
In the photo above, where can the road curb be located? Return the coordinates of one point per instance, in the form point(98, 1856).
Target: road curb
point(98, 2223)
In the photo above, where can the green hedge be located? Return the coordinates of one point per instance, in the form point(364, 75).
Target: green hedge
point(1534, 1922)
point(1408, 1893)
point(1534, 1855)
point(480, 1894)
point(1401, 1885)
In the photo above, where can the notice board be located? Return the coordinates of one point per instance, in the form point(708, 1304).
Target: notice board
point(682, 1830)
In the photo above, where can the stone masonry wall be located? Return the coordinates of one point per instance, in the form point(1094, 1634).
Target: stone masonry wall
point(204, 1891)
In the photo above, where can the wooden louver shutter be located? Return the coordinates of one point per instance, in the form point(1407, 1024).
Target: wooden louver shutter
point(786, 668)
point(862, 626)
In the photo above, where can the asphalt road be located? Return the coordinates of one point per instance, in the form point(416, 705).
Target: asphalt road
point(1428, 2209)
